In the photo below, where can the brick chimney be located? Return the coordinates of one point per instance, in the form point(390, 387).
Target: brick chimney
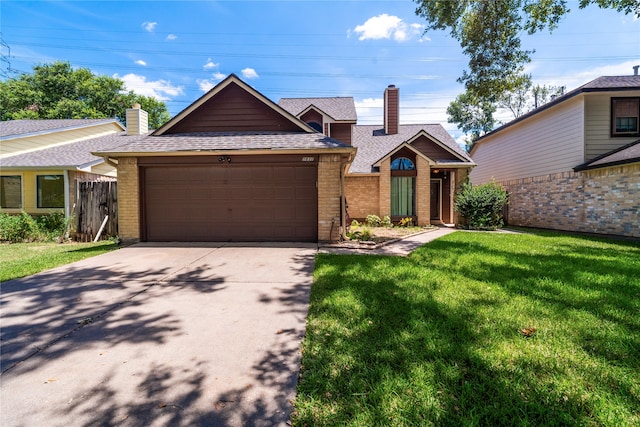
point(137, 120)
point(391, 109)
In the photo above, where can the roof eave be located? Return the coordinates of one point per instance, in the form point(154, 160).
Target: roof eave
point(215, 152)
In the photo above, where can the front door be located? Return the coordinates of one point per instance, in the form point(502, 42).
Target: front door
point(436, 199)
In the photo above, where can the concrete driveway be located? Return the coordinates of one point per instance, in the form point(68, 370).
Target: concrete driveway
point(157, 335)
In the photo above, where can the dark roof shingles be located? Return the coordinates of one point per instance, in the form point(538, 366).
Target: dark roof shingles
point(339, 108)
point(214, 141)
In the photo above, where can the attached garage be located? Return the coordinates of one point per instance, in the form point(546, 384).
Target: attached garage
point(225, 198)
point(233, 166)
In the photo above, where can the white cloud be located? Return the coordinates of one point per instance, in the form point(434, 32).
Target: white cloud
point(249, 73)
point(386, 26)
point(141, 62)
point(149, 26)
point(162, 90)
point(171, 37)
point(210, 64)
point(205, 85)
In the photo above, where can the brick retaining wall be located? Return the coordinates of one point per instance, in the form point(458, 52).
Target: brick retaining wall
point(604, 201)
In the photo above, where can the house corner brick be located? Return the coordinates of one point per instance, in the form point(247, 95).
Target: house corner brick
point(329, 193)
point(128, 199)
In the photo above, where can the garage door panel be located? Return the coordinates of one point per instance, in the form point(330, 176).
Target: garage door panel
point(230, 203)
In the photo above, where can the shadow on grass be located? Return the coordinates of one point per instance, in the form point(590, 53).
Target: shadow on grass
point(420, 341)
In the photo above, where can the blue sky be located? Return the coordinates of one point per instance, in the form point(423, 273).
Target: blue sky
point(176, 50)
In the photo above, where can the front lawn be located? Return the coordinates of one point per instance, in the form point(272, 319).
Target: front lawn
point(23, 259)
point(475, 329)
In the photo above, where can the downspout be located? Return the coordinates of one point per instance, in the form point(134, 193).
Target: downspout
point(343, 198)
point(67, 210)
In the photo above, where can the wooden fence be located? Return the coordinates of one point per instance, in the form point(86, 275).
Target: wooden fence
point(94, 201)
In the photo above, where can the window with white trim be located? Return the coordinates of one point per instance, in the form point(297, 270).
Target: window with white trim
point(625, 116)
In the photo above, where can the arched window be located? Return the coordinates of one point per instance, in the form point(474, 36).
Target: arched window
point(402, 164)
point(315, 125)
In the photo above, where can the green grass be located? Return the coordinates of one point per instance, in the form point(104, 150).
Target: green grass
point(435, 339)
point(23, 259)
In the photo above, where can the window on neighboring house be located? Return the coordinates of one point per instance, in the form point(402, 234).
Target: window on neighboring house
point(50, 191)
point(625, 116)
point(11, 191)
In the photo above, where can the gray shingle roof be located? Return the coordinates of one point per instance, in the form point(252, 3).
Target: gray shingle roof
point(373, 144)
point(613, 82)
point(68, 155)
point(338, 108)
point(629, 153)
point(13, 128)
point(215, 141)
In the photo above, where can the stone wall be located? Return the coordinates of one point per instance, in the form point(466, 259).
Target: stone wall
point(603, 201)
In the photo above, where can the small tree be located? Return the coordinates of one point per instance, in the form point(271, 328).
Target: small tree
point(481, 205)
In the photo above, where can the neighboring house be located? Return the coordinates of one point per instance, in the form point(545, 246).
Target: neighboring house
point(399, 170)
point(41, 161)
point(572, 164)
point(232, 166)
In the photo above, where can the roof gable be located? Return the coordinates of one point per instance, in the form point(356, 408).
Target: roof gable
point(374, 145)
point(339, 109)
point(233, 106)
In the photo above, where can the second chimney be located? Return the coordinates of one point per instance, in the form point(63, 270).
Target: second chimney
point(391, 109)
point(137, 121)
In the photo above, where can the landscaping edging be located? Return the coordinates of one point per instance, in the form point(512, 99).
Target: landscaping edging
point(369, 245)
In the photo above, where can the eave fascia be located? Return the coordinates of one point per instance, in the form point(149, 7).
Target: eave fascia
point(115, 155)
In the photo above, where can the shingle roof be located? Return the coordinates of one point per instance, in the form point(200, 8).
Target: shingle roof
point(613, 82)
point(13, 128)
point(373, 144)
point(629, 153)
point(215, 141)
point(338, 108)
point(68, 155)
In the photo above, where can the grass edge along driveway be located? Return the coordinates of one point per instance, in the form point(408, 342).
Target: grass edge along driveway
point(24, 259)
point(475, 329)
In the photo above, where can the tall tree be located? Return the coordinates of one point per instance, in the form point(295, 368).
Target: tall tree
point(58, 91)
point(474, 117)
point(489, 33)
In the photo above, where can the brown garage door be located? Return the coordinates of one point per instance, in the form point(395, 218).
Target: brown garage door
point(229, 202)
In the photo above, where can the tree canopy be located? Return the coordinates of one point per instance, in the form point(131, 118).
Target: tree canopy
point(489, 33)
point(58, 91)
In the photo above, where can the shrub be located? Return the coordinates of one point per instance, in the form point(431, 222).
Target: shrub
point(373, 221)
point(24, 227)
point(363, 235)
point(52, 225)
point(481, 205)
point(355, 223)
point(406, 222)
point(17, 228)
point(386, 221)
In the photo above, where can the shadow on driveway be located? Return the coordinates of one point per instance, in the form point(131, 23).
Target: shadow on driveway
point(157, 335)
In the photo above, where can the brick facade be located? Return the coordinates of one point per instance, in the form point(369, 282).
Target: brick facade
point(384, 189)
point(329, 189)
point(363, 195)
point(128, 199)
point(603, 201)
point(423, 191)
